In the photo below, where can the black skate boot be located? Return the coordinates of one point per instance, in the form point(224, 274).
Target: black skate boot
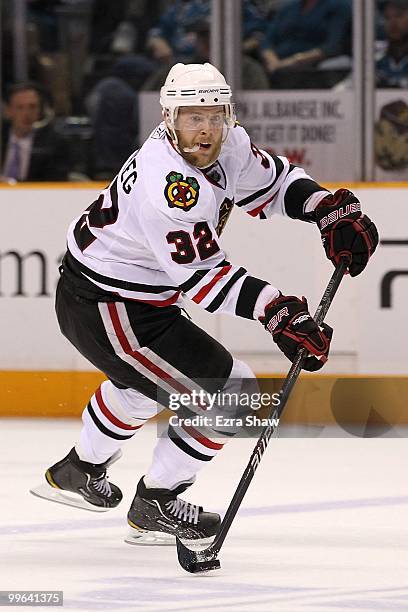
point(156, 516)
point(87, 480)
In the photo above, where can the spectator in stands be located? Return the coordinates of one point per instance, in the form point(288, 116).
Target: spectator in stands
point(121, 26)
point(113, 107)
point(253, 73)
point(172, 36)
point(42, 13)
point(31, 149)
point(303, 33)
point(173, 40)
point(392, 67)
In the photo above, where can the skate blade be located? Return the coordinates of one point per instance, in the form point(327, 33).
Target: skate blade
point(67, 498)
point(141, 537)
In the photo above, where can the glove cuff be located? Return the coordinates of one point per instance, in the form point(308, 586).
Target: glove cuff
point(268, 296)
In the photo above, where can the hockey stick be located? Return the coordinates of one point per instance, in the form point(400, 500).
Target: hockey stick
point(195, 561)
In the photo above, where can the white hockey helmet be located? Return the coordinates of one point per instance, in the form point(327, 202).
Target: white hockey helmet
point(194, 85)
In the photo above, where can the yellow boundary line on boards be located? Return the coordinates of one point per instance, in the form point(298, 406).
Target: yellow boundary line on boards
point(58, 394)
point(101, 185)
point(46, 393)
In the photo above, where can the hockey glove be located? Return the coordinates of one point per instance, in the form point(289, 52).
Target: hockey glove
point(288, 320)
point(345, 231)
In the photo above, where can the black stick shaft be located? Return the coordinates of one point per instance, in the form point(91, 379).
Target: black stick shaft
point(268, 430)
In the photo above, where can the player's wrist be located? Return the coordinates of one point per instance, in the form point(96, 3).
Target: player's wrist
point(313, 202)
point(267, 296)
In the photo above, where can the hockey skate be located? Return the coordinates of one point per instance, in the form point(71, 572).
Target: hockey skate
point(80, 484)
point(156, 516)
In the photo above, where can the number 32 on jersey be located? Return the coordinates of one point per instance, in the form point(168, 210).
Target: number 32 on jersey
point(185, 252)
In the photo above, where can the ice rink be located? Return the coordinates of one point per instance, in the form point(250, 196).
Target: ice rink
point(323, 527)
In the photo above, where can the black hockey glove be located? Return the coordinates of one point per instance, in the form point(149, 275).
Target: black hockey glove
point(345, 231)
point(288, 320)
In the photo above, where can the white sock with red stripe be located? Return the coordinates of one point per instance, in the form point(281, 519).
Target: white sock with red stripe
point(111, 418)
point(184, 450)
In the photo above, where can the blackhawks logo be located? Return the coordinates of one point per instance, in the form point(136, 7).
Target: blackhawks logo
point(181, 193)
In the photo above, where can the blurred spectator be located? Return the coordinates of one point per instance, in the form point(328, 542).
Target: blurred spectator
point(173, 39)
point(42, 14)
point(114, 111)
point(172, 36)
point(253, 74)
point(106, 16)
point(121, 26)
point(303, 33)
point(392, 67)
point(269, 7)
point(31, 149)
point(253, 27)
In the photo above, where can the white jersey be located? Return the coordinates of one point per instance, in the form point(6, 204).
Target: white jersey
point(153, 234)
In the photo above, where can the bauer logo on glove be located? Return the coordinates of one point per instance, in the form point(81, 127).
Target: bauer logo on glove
point(335, 215)
point(276, 319)
point(288, 320)
point(346, 232)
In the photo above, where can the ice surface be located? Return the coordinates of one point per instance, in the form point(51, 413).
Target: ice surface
point(323, 527)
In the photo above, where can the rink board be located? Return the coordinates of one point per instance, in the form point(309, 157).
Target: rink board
point(316, 399)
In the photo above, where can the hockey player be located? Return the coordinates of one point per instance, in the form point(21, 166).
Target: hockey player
point(153, 236)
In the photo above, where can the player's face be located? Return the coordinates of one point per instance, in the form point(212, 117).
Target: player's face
point(23, 110)
point(201, 127)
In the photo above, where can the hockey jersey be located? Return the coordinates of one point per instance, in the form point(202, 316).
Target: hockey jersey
point(153, 234)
